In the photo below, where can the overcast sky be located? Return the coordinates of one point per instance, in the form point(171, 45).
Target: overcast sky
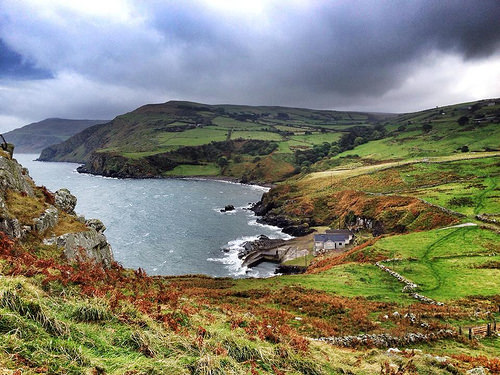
point(96, 59)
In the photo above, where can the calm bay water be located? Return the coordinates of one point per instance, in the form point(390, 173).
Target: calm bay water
point(165, 226)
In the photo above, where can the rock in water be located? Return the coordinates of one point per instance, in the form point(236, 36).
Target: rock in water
point(227, 208)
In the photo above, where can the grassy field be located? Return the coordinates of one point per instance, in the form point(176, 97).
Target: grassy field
point(194, 170)
point(445, 263)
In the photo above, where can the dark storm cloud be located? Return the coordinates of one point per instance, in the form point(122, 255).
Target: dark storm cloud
point(13, 65)
point(329, 48)
point(382, 55)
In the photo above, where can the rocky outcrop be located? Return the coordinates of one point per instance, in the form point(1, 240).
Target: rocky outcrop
point(90, 244)
point(95, 224)
point(46, 220)
point(65, 201)
point(289, 226)
point(84, 246)
point(10, 226)
point(14, 177)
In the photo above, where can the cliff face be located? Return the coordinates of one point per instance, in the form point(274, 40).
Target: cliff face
point(38, 218)
point(76, 148)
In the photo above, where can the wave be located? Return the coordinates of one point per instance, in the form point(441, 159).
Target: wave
point(252, 186)
point(230, 258)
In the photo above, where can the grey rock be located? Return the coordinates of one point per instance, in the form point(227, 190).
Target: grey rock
point(88, 245)
point(477, 371)
point(65, 201)
point(385, 340)
point(11, 227)
point(13, 176)
point(46, 220)
point(96, 224)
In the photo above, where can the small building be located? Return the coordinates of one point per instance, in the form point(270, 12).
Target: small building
point(331, 241)
point(346, 232)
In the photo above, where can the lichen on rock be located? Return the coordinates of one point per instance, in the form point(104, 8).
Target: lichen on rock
point(65, 201)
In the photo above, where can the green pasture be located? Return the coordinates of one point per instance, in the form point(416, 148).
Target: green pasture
point(442, 262)
point(443, 139)
point(228, 122)
point(192, 137)
point(351, 279)
point(210, 169)
point(261, 135)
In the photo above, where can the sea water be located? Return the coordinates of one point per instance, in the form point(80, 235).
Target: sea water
point(165, 226)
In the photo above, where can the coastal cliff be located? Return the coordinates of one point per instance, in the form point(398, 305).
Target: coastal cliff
point(35, 217)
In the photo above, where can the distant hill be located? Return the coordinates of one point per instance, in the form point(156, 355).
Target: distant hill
point(34, 137)
point(185, 138)
point(270, 144)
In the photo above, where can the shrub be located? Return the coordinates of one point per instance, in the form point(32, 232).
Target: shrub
point(462, 201)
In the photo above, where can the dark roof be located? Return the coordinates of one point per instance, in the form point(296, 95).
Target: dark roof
point(331, 237)
point(338, 231)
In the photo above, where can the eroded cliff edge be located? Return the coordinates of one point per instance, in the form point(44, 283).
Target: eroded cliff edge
point(39, 219)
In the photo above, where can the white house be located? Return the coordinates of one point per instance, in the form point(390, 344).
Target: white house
point(336, 239)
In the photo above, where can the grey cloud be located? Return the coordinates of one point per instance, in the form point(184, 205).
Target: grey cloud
point(321, 54)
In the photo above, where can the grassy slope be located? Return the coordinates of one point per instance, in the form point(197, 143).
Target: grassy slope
point(445, 137)
point(156, 129)
point(122, 321)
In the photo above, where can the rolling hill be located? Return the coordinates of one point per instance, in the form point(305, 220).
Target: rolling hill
point(183, 138)
point(269, 144)
point(34, 137)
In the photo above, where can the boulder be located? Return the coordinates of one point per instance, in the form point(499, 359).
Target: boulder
point(477, 371)
point(65, 201)
point(11, 227)
point(84, 246)
point(227, 208)
point(96, 224)
point(46, 220)
point(14, 177)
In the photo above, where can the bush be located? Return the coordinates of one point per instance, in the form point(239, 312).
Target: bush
point(427, 128)
point(464, 120)
point(462, 201)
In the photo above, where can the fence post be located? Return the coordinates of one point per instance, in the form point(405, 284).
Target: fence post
point(488, 329)
point(460, 330)
point(470, 333)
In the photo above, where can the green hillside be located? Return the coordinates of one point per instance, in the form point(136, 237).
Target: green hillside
point(33, 138)
point(183, 138)
point(244, 142)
